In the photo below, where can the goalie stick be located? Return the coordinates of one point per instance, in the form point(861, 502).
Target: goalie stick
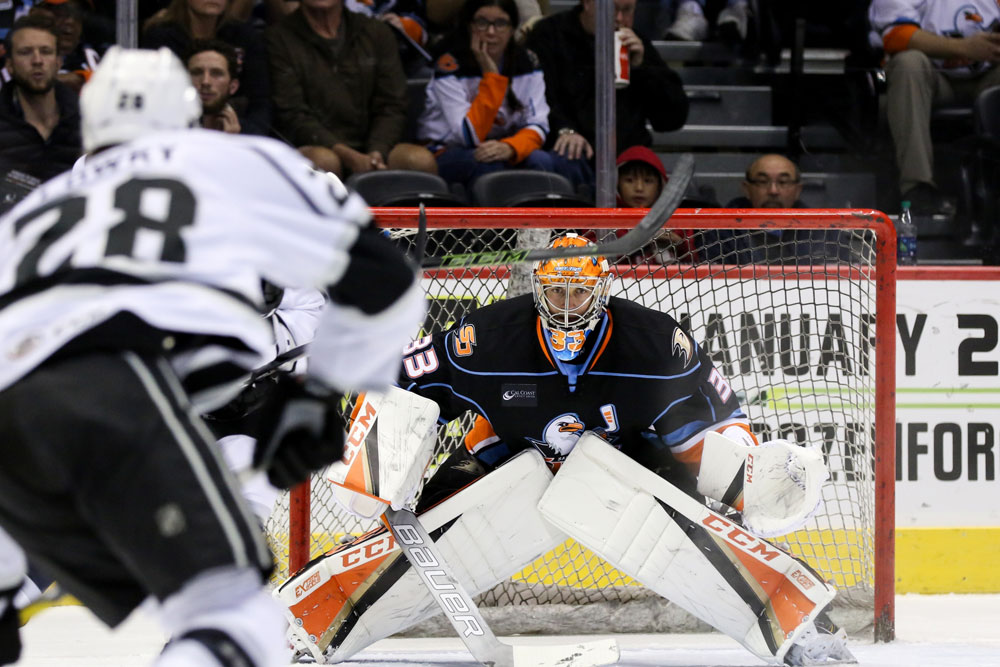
point(634, 239)
point(461, 611)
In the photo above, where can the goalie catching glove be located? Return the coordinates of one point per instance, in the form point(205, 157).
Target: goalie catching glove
point(302, 432)
point(780, 484)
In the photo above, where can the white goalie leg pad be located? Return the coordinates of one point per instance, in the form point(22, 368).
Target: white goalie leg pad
point(782, 483)
point(654, 532)
point(366, 591)
point(390, 443)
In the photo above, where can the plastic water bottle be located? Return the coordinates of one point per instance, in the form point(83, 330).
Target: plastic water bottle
point(906, 237)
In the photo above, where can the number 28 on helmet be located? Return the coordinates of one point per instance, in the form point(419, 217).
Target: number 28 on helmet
point(570, 295)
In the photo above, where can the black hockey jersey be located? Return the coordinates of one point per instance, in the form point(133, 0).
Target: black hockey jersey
point(642, 381)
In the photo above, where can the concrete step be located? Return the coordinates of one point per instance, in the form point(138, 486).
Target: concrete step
point(729, 105)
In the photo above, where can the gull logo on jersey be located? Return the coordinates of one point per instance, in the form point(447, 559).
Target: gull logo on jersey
point(559, 438)
point(682, 347)
point(519, 395)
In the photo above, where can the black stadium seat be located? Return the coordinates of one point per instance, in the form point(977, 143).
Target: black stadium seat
point(526, 188)
point(403, 188)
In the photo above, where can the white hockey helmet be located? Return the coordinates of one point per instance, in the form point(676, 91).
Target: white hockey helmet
point(134, 92)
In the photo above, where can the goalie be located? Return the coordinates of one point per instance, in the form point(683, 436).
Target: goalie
point(640, 426)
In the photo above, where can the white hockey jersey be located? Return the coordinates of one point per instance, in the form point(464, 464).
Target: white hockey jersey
point(950, 18)
point(463, 108)
point(178, 229)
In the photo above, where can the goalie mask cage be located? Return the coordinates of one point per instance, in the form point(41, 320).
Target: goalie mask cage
point(797, 309)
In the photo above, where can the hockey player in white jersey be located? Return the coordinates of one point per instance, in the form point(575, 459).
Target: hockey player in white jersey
point(130, 292)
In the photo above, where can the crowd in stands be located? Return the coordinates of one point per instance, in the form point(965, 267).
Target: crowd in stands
point(509, 84)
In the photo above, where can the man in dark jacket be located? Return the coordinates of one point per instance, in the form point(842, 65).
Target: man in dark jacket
point(339, 91)
point(39, 117)
point(564, 43)
point(774, 181)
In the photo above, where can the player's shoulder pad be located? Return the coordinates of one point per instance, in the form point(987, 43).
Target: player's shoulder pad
point(653, 327)
point(504, 314)
point(498, 323)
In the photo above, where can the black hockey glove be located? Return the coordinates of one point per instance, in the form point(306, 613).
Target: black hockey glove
point(10, 640)
point(303, 431)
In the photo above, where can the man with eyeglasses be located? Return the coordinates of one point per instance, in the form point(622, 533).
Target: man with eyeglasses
point(773, 181)
point(564, 43)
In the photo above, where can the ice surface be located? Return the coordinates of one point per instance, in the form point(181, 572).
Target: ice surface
point(932, 631)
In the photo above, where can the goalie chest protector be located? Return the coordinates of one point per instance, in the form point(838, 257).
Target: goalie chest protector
point(638, 370)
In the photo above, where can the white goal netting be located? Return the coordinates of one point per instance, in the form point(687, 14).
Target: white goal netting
point(794, 313)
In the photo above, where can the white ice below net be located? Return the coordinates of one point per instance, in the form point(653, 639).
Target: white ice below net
point(933, 631)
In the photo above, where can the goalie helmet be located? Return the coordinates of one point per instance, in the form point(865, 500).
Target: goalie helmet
point(571, 295)
point(134, 92)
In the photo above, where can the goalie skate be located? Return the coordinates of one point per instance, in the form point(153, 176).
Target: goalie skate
point(817, 646)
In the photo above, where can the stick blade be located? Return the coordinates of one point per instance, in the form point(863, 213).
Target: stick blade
point(583, 654)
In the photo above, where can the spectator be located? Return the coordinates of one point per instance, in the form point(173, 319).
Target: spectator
point(409, 24)
point(486, 108)
point(406, 17)
point(212, 66)
point(564, 43)
point(691, 25)
point(39, 116)
point(339, 91)
point(444, 13)
point(83, 37)
point(641, 178)
point(941, 52)
point(185, 20)
point(773, 181)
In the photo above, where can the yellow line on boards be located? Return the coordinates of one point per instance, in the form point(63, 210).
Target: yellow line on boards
point(947, 560)
point(928, 560)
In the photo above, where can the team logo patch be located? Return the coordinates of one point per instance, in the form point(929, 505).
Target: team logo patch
point(559, 438)
point(519, 395)
point(682, 347)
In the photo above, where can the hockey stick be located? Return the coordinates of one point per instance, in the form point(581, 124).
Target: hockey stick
point(461, 611)
point(420, 243)
point(636, 237)
point(273, 366)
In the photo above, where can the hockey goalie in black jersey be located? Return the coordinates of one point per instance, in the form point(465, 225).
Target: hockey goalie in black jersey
point(541, 369)
point(130, 299)
point(596, 419)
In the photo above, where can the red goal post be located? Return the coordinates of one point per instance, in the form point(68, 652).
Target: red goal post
point(834, 385)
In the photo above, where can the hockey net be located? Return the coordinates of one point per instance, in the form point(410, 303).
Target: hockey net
point(797, 309)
